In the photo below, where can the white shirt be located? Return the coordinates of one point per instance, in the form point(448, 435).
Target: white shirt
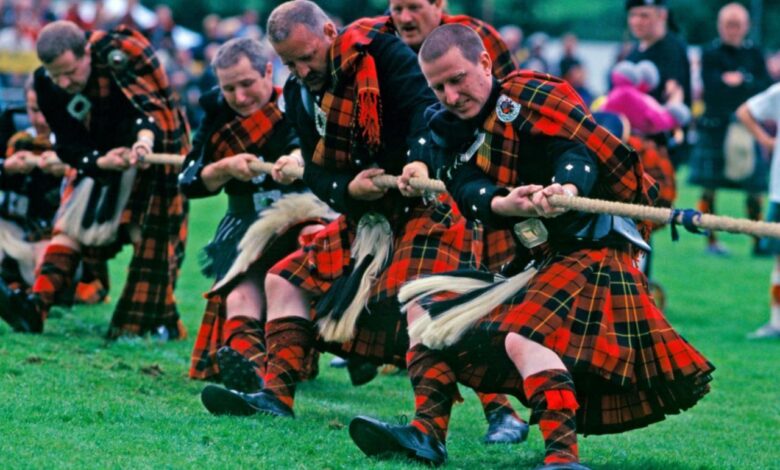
point(765, 106)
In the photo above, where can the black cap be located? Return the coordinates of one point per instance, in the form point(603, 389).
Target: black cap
point(644, 3)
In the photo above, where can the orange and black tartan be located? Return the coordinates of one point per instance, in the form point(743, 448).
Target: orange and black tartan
point(591, 306)
point(657, 164)
point(242, 133)
point(155, 205)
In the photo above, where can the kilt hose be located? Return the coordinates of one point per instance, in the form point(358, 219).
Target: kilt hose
point(245, 335)
point(592, 308)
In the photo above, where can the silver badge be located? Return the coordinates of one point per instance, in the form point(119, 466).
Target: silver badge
point(531, 232)
point(79, 107)
point(507, 109)
point(320, 119)
point(117, 60)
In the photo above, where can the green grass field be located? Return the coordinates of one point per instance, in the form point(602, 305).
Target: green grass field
point(69, 399)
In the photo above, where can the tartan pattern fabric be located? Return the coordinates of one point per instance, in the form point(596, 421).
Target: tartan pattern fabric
point(553, 406)
point(592, 308)
point(435, 388)
point(352, 104)
point(210, 336)
point(155, 205)
point(203, 360)
point(656, 163)
point(380, 336)
point(550, 106)
point(244, 133)
point(247, 337)
point(55, 278)
point(289, 340)
point(493, 403)
point(434, 239)
point(503, 62)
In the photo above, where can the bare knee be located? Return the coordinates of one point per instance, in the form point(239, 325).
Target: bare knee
point(285, 298)
point(244, 300)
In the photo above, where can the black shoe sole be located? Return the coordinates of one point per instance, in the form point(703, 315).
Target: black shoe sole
point(220, 401)
point(237, 372)
point(376, 441)
point(361, 373)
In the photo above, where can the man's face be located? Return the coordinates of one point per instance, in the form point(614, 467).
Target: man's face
point(69, 72)
point(645, 21)
point(305, 53)
point(463, 87)
point(244, 88)
point(35, 115)
point(415, 19)
point(733, 26)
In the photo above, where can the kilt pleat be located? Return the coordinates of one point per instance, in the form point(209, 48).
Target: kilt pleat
point(593, 309)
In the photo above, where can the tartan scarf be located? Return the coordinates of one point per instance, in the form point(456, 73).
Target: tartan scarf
point(247, 132)
point(143, 81)
point(352, 105)
point(550, 106)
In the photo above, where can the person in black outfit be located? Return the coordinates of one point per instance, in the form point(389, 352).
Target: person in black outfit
point(733, 70)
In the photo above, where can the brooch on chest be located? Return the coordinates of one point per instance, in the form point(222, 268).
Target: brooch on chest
point(78, 107)
point(320, 119)
point(507, 109)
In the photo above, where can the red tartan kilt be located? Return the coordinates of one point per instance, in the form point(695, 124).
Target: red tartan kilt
point(380, 337)
point(593, 309)
point(434, 239)
point(657, 164)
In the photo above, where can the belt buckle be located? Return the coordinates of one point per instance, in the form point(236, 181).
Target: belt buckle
point(531, 232)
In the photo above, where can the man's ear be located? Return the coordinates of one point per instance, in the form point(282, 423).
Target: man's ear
point(330, 30)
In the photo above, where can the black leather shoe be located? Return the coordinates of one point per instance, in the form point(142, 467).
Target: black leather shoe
point(382, 440)
point(563, 466)
point(237, 372)
point(221, 401)
point(360, 371)
point(504, 428)
point(20, 310)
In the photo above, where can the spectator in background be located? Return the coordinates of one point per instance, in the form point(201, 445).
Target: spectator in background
point(733, 69)
point(773, 66)
point(211, 35)
point(766, 107)
point(536, 61)
point(569, 57)
point(161, 34)
point(573, 71)
point(250, 27)
point(73, 14)
point(513, 38)
point(649, 22)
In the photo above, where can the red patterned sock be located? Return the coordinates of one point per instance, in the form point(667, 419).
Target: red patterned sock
point(56, 274)
point(435, 390)
point(288, 340)
point(493, 403)
point(553, 402)
point(247, 337)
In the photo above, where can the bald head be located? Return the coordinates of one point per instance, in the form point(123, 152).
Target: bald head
point(733, 24)
point(450, 36)
point(287, 16)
